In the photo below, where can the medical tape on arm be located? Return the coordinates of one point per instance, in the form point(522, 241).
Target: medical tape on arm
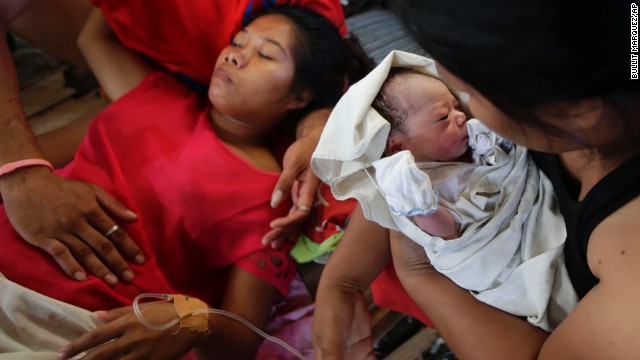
point(185, 306)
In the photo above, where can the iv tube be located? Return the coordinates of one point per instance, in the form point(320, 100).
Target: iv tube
point(136, 310)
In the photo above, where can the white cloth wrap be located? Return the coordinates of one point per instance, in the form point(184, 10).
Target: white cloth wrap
point(509, 253)
point(400, 180)
point(408, 190)
point(34, 326)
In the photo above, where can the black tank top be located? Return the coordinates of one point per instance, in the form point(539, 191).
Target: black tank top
point(581, 217)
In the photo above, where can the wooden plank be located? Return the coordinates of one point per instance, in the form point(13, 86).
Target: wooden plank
point(45, 93)
point(67, 111)
point(414, 347)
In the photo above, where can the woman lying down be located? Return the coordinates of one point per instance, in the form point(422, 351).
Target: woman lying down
point(199, 175)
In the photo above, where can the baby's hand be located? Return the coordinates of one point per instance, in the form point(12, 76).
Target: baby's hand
point(407, 189)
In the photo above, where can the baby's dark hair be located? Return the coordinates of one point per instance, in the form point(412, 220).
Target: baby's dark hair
point(325, 63)
point(382, 104)
point(394, 115)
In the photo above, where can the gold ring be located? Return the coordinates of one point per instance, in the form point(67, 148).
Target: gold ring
point(113, 229)
point(304, 208)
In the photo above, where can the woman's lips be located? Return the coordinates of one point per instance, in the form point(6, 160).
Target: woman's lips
point(222, 75)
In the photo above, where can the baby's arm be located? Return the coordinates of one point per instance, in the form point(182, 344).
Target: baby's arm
point(117, 68)
point(440, 223)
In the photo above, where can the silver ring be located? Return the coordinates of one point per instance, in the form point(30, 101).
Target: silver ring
point(113, 229)
point(304, 208)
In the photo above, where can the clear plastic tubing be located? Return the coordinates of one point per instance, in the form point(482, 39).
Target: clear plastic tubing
point(136, 310)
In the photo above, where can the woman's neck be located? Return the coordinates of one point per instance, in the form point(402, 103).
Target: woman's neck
point(234, 132)
point(587, 167)
point(613, 133)
point(246, 141)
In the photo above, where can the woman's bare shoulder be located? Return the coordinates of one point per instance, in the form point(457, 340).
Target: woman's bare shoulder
point(616, 240)
point(605, 323)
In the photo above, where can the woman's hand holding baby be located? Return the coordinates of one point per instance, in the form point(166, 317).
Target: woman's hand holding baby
point(410, 261)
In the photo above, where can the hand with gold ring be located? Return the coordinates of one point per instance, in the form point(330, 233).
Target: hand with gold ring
point(287, 228)
point(73, 222)
point(113, 229)
point(297, 180)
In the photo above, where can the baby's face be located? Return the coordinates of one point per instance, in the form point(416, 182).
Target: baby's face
point(434, 129)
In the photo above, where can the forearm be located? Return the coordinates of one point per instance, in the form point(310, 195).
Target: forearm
point(117, 68)
point(313, 123)
point(17, 141)
point(361, 254)
point(342, 322)
point(249, 297)
point(53, 27)
point(229, 339)
point(471, 328)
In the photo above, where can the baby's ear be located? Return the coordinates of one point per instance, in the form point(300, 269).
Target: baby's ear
point(394, 143)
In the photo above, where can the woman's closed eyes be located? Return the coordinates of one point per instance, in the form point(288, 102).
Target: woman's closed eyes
point(268, 49)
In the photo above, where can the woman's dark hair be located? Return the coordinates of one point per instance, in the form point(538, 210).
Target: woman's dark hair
point(325, 62)
point(525, 56)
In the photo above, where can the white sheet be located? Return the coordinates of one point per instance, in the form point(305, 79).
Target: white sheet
point(34, 326)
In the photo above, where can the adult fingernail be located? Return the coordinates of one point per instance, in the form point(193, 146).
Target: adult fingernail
point(128, 276)
point(139, 259)
point(62, 355)
point(80, 276)
point(132, 214)
point(276, 198)
point(110, 279)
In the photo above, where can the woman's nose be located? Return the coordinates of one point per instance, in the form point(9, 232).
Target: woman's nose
point(235, 58)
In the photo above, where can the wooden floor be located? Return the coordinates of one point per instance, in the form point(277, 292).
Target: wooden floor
point(55, 95)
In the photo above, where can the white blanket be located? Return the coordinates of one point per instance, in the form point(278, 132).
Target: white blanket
point(509, 253)
point(33, 326)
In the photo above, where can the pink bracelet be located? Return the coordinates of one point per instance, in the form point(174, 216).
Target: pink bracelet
point(9, 167)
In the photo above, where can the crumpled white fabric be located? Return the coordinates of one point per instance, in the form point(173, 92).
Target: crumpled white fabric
point(399, 180)
point(509, 253)
point(408, 190)
point(34, 326)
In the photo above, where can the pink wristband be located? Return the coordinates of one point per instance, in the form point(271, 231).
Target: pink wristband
point(9, 167)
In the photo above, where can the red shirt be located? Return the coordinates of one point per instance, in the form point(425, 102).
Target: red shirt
point(186, 36)
point(201, 207)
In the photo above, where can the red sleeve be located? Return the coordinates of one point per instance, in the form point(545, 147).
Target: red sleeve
point(271, 265)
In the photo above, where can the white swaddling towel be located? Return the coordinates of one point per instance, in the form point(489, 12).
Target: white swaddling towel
point(408, 190)
point(509, 253)
point(34, 326)
point(400, 181)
